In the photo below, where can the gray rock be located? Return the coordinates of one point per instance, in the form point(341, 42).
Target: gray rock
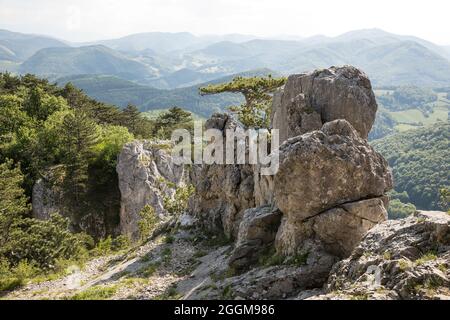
point(341, 229)
point(276, 282)
point(398, 259)
point(223, 192)
point(321, 170)
point(257, 230)
point(146, 174)
point(47, 199)
point(310, 100)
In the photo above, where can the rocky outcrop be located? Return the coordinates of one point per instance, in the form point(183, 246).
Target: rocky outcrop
point(47, 199)
point(397, 259)
point(223, 192)
point(257, 230)
point(330, 189)
point(331, 183)
point(146, 174)
point(326, 169)
point(340, 229)
point(266, 280)
point(310, 100)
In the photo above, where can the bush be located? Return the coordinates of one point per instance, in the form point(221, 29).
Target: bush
point(109, 245)
point(11, 278)
point(43, 242)
point(148, 222)
point(178, 204)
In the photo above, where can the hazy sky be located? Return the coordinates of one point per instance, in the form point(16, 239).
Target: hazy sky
point(85, 20)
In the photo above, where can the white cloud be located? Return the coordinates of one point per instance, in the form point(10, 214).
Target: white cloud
point(92, 19)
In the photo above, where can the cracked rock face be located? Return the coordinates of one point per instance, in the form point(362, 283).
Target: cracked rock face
point(146, 174)
point(46, 199)
point(310, 100)
point(257, 230)
point(223, 192)
point(325, 169)
point(397, 259)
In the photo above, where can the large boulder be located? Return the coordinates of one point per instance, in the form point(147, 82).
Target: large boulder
point(325, 169)
point(341, 228)
point(310, 100)
point(147, 174)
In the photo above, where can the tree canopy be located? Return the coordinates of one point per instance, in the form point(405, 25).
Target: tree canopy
point(257, 91)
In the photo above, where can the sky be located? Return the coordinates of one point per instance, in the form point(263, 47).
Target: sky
point(88, 20)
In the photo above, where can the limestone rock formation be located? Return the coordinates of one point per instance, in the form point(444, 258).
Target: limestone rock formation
point(257, 229)
point(310, 100)
point(46, 198)
point(325, 169)
point(223, 192)
point(397, 259)
point(330, 189)
point(331, 184)
point(341, 228)
point(146, 174)
point(282, 281)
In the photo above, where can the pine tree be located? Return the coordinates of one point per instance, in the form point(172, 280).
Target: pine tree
point(33, 103)
point(174, 118)
point(257, 91)
point(131, 118)
point(79, 135)
point(13, 202)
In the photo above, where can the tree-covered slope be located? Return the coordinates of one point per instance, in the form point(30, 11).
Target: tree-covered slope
point(420, 162)
point(121, 93)
point(57, 62)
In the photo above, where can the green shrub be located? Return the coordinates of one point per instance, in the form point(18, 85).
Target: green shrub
point(13, 277)
point(430, 256)
point(43, 242)
point(147, 222)
point(110, 245)
point(179, 202)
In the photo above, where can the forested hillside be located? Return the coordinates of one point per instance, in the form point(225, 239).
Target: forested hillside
point(120, 92)
point(72, 142)
point(419, 160)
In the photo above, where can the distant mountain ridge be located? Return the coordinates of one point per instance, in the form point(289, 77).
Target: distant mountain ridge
point(178, 60)
point(16, 46)
point(61, 61)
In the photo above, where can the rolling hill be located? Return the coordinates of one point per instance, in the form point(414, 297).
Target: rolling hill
point(16, 46)
point(179, 60)
point(388, 59)
point(419, 160)
point(57, 62)
point(113, 90)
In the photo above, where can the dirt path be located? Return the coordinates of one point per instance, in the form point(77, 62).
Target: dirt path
point(151, 271)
